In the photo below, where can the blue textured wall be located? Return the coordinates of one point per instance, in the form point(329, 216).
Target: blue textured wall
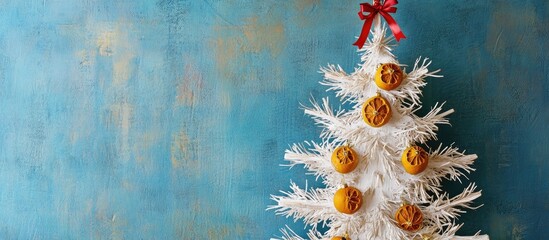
point(169, 119)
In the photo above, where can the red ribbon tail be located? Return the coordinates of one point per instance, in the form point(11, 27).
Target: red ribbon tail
point(365, 32)
point(394, 26)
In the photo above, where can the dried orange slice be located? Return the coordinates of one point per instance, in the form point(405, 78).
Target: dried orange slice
point(409, 217)
point(388, 76)
point(348, 200)
point(341, 238)
point(376, 111)
point(344, 159)
point(415, 159)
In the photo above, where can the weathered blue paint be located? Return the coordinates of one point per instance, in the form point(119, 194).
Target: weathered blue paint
point(169, 119)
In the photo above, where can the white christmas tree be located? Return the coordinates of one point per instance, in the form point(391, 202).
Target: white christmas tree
point(385, 186)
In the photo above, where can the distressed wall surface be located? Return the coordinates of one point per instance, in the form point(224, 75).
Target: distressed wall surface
point(169, 119)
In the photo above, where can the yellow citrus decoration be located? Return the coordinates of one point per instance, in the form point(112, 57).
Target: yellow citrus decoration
point(344, 159)
point(376, 111)
point(348, 200)
point(341, 238)
point(388, 76)
point(409, 217)
point(415, 159)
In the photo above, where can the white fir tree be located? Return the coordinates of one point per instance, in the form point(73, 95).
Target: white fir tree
point(380, 175)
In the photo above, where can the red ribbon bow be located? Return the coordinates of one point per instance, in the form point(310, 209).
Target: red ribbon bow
point(384, 10)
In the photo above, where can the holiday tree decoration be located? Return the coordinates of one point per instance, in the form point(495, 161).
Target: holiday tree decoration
point(344, 159)
point(341, 238)
point(409, 217)
point(388, 76)
point(347, 200)
point(392, 187)
point(415, 159)
point(376, 111)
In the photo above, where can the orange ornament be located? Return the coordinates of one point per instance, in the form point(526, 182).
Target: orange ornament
point(409, 218)
point(341, 238)
point(348, 200)
point(415, 160)
point(344, 159)
point(376, 111)
point(388, 76)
